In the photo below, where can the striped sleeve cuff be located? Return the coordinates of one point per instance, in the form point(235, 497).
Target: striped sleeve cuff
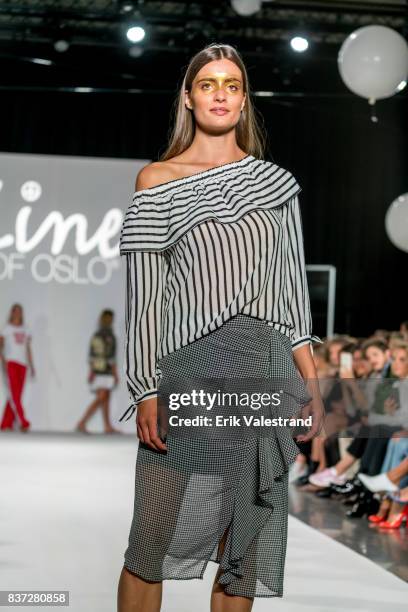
point(149, 393)
point(303, 340)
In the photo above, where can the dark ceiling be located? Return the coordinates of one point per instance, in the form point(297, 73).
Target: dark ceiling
point(98, 52)
point(350, 168)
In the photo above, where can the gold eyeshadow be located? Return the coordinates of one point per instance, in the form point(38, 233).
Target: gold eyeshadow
point(212, 81)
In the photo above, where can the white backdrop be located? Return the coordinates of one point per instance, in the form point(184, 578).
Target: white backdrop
point(60, 220)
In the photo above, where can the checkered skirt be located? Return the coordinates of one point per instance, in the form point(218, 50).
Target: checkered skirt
point(187, 498)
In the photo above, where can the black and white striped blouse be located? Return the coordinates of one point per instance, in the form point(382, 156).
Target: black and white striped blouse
point(204, 248)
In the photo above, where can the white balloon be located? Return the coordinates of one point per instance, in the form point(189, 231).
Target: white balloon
point(396, 222)
point(373, 62)
point(246, 7)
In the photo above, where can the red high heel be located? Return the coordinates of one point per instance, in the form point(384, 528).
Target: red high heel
point(381, 516)
point(375, 518)
point(397, 521)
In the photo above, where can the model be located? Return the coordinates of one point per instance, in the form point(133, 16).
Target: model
point(216, 293)
point(103, 377)
point(16, 357)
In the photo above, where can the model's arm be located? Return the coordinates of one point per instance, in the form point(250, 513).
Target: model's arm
point(30, 356)
point(2, 359)
point(145, 272)
point(299, 312)
point(297, 287)
point(91, 359)
point(144, 303)
point(91, 352)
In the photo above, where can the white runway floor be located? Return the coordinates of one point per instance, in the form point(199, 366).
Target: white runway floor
point(65, 512)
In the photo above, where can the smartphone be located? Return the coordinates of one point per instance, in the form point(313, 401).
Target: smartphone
point(346, 361)
point(395, 394)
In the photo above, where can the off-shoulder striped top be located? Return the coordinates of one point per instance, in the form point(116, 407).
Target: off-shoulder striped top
point(203, 248)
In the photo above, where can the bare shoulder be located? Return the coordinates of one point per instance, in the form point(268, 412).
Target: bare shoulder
point(154, 174)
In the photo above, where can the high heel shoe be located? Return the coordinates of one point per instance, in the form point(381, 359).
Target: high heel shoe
point(366, 504)
point(396, 523)
point(382, 513)
point(350, 500)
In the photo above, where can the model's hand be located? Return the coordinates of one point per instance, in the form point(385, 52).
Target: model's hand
point(315, 409)
point(317, 414)
point(146, 421)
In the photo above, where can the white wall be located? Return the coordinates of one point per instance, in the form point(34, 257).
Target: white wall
point(63, 284)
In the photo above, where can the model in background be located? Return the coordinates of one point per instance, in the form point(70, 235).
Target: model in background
point(103, 375)
point(15, 356)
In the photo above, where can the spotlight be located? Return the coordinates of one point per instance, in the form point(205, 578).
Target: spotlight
point(299, 44)
point(135, 34)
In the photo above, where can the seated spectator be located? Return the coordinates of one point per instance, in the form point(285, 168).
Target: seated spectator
point(404, 330)
point(378, 356)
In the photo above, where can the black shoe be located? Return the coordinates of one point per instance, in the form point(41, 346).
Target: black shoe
point(366, 505)
point(302, 480)
point(326, 492)
point(350, 500)
point(348, 488)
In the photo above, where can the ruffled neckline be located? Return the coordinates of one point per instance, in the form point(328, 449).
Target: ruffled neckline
point(160, 216)
point(192, 178)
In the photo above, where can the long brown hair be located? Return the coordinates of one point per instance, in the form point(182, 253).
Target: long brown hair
point(249, 134)
point(10, 317)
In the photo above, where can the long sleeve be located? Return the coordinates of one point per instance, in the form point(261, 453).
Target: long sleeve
point(299, 311)
point(91, 352)
point(111, 356)
point(144, 309)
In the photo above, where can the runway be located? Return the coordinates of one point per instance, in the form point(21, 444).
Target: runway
point(65, 512)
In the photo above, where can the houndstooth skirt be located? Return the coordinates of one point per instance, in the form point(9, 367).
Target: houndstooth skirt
point(209, 483)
